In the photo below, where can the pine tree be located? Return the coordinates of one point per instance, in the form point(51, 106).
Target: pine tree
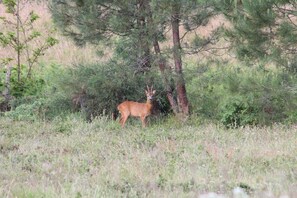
point(263, 30)
point(139, 25)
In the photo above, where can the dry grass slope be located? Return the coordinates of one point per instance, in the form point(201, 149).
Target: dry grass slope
point(65, 52)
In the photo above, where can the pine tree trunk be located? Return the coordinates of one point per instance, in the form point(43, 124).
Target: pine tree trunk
point(144, 46)
point(161, 62)
point(162, 67)
point(182, 99)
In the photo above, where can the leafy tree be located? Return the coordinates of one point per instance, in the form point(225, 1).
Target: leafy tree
point(137, 26)
point(263, 30)
point(18, 33)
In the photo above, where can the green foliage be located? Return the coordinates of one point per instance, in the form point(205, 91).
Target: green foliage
point(29, 34)
point(233, 96)
point(33, 16)
point(99, 88)
point(21, 35)
point(27, 44)
point(237, 112)
point(26, 87)
point(262, 30)
point(242, 96)
point(138, 27)
point(10, 5)
point(31, 109)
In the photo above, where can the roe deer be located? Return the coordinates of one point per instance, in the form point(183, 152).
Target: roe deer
point(136, 109)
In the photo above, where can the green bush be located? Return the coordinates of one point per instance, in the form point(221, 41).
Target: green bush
point(237, 112)
point(233, 96)
point(30, 109)
point(25, 87)
point(239, 96)
point(98, 89)
point(26, 95)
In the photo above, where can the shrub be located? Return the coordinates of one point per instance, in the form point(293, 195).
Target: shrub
point(29, 110)
point(237, 112)
point(97, 89)
point(238, 96)
point(25, 87)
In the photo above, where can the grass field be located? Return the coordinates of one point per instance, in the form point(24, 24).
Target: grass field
point(72, 158)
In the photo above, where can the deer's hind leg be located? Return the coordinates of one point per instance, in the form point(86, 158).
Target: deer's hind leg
point(124, 117)
point(123, 120)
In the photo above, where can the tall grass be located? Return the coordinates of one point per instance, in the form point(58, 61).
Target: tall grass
point(71, 158)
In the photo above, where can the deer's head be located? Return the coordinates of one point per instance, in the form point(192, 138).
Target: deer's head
point(150, 93)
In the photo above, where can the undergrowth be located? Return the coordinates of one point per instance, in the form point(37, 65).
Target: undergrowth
point(240, 96)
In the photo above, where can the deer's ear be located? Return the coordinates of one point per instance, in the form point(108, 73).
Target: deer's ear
point(146, 92)
point(154, 91)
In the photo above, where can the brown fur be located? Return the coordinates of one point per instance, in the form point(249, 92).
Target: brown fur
point(136, 109)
